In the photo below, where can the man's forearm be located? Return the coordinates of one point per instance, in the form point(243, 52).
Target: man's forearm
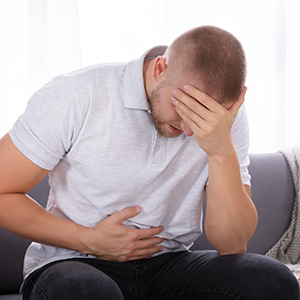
point(231, 216)
point(109, 240)
point(24, 217)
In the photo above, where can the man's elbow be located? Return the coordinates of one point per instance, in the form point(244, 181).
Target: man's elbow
point(230, 246)
point(233, 250)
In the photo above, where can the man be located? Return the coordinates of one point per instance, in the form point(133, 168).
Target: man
point(129, 149)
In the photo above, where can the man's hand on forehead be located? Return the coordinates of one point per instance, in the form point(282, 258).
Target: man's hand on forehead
point(209, 120)
point(189, 91)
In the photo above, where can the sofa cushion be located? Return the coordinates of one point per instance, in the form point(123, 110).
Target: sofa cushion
point(12, 252)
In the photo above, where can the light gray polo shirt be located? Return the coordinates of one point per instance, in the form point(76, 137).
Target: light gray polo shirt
point(93, 130)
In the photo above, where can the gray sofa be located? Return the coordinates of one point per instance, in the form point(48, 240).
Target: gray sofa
point(272, 192)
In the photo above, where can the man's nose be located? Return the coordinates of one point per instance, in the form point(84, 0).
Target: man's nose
point(186, 129)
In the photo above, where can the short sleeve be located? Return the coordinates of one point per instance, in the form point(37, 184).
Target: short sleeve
point(240, 137)
point(44, 133)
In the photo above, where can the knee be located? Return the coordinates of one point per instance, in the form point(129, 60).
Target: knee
point(75, 280)
point(263, 277)
point(278, 278)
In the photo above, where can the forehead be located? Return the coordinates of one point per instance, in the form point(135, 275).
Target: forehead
point(182, 81)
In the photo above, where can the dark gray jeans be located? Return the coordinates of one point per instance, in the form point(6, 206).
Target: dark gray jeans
point(174, 276)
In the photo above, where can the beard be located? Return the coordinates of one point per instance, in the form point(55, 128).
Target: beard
point(157, 112)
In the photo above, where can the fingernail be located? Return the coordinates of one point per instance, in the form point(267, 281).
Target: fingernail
point(174, 92)
point(186, 87)
point(173, 99)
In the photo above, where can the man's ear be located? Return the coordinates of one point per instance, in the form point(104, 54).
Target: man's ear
point(159, 68)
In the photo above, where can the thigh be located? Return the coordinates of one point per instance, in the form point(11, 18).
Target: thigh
point(70, 279)
point(206, 275)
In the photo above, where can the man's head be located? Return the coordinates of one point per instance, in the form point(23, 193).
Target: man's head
point(212, 58)
point(207, 57)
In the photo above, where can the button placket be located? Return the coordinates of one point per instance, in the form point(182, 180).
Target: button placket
point(157, 150)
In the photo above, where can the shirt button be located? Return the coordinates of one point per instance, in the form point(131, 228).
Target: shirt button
point(157, 148)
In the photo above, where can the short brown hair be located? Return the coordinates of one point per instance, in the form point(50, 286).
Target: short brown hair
point(214, 57)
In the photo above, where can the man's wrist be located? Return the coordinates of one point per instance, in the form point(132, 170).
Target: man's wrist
point(223, 155)
point(85, 238)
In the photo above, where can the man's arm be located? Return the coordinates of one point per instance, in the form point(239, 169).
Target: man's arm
point(231, 216)
point(19, 214)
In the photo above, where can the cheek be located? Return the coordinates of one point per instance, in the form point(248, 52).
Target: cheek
point(167, 107)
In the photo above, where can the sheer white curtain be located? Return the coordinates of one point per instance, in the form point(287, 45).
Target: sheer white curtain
point(44, 38)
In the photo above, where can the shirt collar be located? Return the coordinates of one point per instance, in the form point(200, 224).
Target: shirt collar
point(134, 90)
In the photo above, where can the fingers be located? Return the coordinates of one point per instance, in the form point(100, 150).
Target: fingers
point(151, 244)
point(189, 110)
point(148, 237)
point(189, 118)
point(142, 253)
point(201, 97)
point(131, 212)
point(190, 100)
point(192, 95)
point(115, 241)
point(126, 213)
point(187, 106)
point(141, 248)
